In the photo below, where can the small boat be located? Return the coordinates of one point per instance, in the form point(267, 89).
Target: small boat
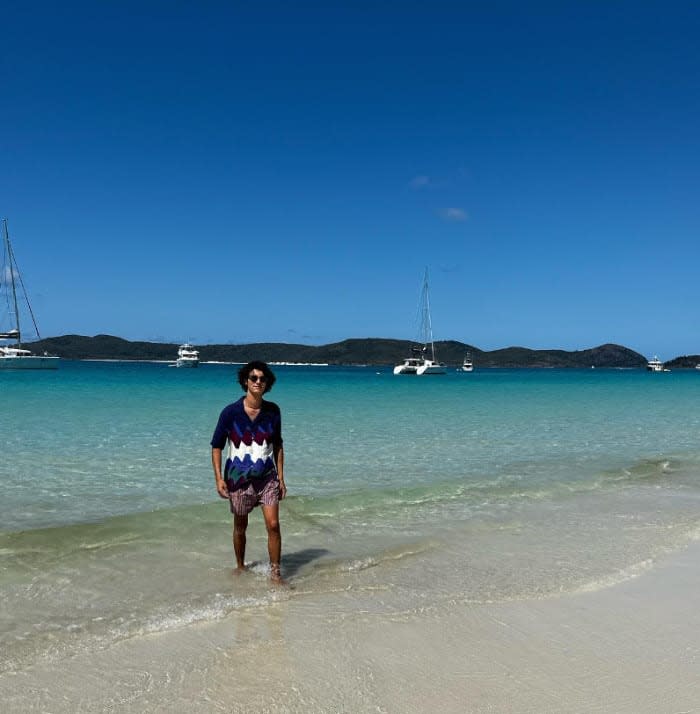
point(656, 365)
point(14, 356)
point(467, 365)
point(187, 356)
point(419, 363)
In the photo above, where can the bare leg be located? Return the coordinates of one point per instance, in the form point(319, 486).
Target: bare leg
point(240, 524)
point(274, 541)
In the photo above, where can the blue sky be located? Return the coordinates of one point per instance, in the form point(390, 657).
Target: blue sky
point(277, 171)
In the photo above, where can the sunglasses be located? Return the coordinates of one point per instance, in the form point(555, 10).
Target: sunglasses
point(255, 378)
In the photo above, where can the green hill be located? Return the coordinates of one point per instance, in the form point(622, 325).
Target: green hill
point(370, 351)
point(684, 362)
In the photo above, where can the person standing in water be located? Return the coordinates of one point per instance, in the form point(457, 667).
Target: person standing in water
point(253, 473)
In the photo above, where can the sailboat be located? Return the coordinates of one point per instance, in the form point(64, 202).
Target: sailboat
point(14, 356)
point(422, 359)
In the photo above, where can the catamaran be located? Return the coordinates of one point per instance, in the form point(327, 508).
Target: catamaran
point(422, 360)
point(14, 356)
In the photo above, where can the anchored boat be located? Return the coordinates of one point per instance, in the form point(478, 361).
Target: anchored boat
point(14, 355)
point(422, 360)
point(187, 356)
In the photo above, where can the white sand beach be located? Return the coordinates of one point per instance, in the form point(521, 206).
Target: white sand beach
point(633, 647)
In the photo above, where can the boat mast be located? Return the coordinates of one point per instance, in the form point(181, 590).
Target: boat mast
point(11, 268)
point(14, 268)
point(427, 322)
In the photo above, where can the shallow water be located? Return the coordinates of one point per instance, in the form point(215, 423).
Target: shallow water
point(406, 494)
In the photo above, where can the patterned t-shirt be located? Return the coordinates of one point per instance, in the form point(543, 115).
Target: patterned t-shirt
point(251, 443)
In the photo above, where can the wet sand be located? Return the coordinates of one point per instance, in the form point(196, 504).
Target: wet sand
point(634, 647)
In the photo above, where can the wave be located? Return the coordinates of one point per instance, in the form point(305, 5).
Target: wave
point(87, 585)
point(524, 482)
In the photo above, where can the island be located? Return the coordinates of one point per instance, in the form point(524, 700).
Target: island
point(371, 351)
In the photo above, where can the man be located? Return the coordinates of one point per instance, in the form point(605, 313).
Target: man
point(254, 470)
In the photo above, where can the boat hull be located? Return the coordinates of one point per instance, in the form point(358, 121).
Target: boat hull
point(403, 369)
point(431, 368)
point(187, 363)
point(420, 367)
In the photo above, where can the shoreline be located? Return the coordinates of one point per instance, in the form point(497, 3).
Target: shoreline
point(630, 648)
point(387, 366)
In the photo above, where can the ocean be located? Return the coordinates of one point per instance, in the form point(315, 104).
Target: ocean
point(407, 497)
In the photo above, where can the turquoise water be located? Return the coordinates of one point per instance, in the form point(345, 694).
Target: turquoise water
point(500, 484)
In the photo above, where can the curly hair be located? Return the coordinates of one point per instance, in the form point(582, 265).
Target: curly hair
point(246, 369)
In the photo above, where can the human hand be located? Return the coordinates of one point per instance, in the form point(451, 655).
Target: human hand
point(222, 489)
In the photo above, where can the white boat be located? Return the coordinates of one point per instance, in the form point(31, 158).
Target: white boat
point(422, 360)
point(419, 364)
point(14, 356)
point(656, 365)
point(467, 365)
point(187, 356)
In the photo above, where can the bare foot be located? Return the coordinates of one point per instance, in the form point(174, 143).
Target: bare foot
point(275, 575)
point(238, 570)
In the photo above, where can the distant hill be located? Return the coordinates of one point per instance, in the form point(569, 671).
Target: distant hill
point(608, 355)
point(370, 351)
point(685, 362)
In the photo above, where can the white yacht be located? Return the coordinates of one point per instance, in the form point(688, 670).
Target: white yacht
point(419, 363)
point(14, 356)
point(187, 356)
point(467, 365)
point(656, 365)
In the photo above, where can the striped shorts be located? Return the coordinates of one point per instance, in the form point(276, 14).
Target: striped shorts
point(248, 495)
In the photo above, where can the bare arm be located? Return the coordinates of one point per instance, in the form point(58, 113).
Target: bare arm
point(216, 464)
point(279, 463)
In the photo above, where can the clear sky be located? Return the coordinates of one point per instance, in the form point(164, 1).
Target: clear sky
point(284, 171)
